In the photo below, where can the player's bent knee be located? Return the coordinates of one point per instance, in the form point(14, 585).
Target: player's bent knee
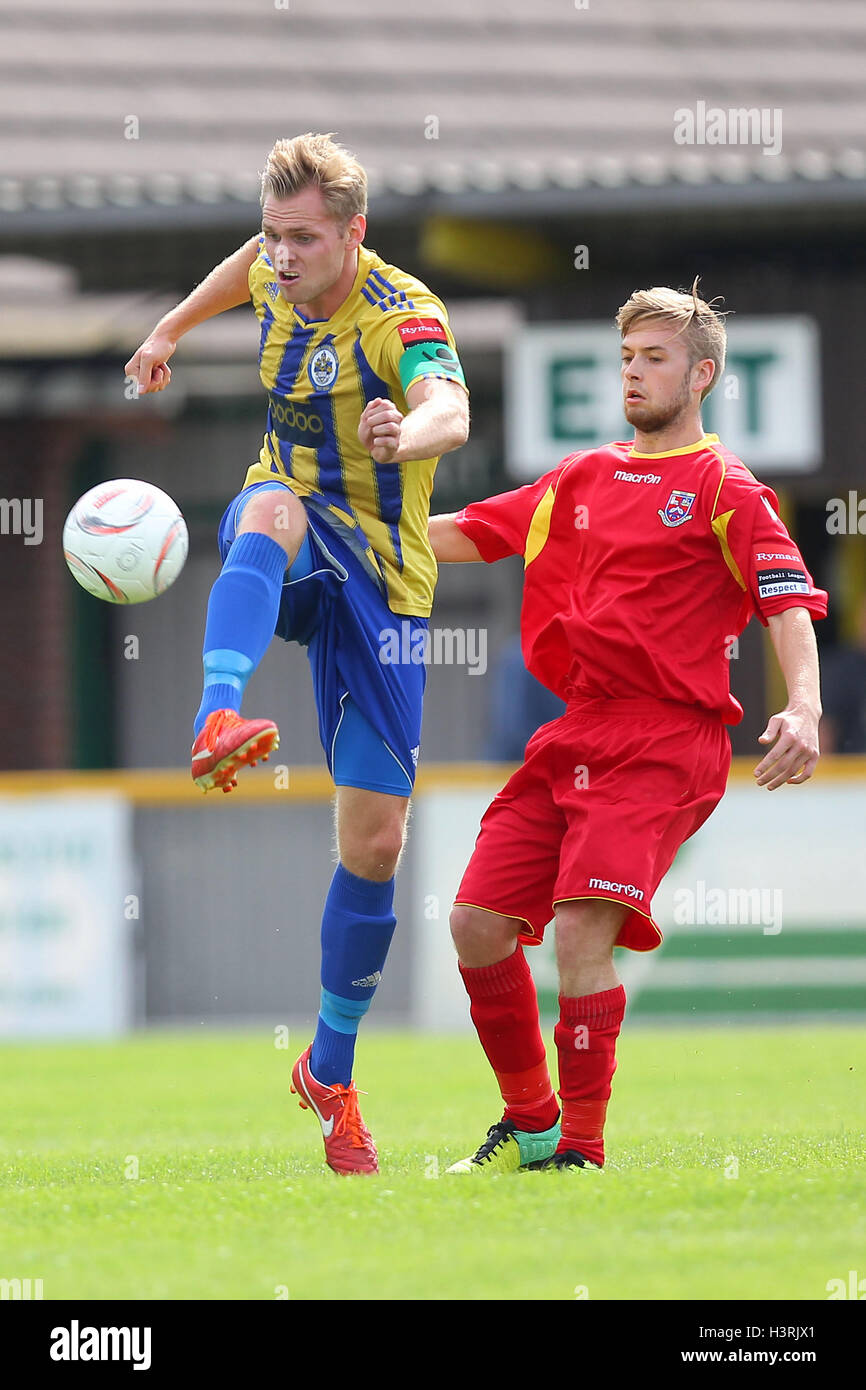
point(472, 929)
point(594, 923)
point(376, 855)
point(278, 514)
point(464, 927)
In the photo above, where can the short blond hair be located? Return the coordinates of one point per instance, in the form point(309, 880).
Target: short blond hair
point(316, 161)
point(701, 323)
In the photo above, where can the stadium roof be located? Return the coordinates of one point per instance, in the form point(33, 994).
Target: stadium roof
point(163, 113)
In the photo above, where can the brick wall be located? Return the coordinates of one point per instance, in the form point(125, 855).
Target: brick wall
point(34, 596)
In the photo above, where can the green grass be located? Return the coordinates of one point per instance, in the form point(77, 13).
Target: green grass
point(232, 1200)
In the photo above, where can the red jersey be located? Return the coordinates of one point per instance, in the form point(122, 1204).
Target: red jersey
point(642, 568)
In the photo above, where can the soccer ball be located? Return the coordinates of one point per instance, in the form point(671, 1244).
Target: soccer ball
point(125, 541)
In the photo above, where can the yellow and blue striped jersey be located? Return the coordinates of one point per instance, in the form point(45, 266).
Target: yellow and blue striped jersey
point(389, 332)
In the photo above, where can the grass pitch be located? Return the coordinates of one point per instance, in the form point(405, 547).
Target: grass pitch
point(179, 1167)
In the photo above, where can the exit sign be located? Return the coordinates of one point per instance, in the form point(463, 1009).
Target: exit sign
point(564, 393)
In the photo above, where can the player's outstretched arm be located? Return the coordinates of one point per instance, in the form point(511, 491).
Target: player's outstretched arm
point(793, 732)
point(226, 286)
point(438, 421)
point(451, 546)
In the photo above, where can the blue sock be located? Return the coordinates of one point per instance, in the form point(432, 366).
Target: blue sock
point(357, 926)
point(241, 617)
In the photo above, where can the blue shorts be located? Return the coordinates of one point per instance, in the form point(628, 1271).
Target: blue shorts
point(369, 709)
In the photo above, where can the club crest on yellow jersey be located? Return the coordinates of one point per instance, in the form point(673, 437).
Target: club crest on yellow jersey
point(323, 368)
point(320, 375)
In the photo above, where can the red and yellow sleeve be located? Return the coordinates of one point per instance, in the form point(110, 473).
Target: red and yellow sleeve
point(513, 523)
point(763, 557)
point(409, 347)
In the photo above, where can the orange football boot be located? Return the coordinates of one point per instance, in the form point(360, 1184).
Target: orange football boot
point(349, 1146)
point(228, 742)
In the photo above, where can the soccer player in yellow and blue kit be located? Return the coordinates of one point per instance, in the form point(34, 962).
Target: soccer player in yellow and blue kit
point(326, 545)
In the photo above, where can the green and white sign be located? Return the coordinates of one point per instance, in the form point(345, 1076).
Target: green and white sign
point(564, 393)
point(764, 916)
point(67, 914)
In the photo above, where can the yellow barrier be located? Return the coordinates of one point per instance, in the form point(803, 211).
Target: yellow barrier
point(173, 786)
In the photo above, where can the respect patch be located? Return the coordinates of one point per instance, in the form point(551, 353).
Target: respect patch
point(773, 582)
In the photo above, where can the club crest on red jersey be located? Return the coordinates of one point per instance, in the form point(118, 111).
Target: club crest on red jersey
point(678, 508)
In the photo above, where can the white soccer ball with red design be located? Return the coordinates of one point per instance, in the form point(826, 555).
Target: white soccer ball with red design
point(125, 541)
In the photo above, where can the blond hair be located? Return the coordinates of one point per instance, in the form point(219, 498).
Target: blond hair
point(316, 161)
point(701, 323)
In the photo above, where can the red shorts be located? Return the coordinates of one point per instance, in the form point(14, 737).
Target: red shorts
point(604, 799)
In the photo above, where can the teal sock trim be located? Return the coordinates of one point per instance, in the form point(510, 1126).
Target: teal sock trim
point(222, 666)
point(343, 1015)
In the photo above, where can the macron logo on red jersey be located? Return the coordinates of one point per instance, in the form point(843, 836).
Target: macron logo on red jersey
point(629, 889)
point(623, 477)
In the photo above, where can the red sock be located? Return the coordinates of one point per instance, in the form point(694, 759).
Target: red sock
point(586, 1037)
point(504, 1009)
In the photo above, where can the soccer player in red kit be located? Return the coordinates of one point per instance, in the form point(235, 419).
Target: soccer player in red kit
point(642, 561)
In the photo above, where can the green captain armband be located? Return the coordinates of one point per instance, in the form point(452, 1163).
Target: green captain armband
point(429, 359)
